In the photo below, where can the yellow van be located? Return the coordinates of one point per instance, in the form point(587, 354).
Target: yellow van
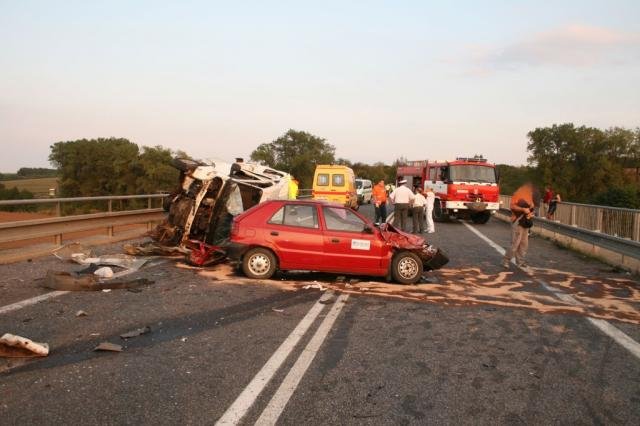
point(335, 183)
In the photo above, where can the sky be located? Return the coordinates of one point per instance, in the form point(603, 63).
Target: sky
point(379, 80)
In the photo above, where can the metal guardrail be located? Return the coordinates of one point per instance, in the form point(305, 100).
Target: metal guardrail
point(613, 221)
point(59, 225)
point(583, 213)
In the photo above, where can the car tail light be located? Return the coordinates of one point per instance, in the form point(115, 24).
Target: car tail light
point(235, 229)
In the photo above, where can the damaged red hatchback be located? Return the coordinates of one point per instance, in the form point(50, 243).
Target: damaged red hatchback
point(326, 237)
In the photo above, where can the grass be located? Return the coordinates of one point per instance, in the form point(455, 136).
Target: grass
point(39, 187)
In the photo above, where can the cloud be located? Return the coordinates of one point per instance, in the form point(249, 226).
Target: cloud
point(570, 46)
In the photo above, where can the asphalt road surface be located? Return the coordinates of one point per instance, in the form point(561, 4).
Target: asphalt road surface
point(472, 344)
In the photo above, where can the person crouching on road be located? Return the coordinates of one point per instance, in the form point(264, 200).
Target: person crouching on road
point(402, 197)
point(379, 195)
point(431, 197)
point(417, 211)
point(521, 216)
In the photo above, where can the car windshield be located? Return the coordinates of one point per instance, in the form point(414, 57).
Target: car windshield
point(341, 219)
point(472, 173)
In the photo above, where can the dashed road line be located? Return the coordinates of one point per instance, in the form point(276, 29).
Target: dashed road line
point(32, 301)
point(248, 396)
point(604, 326)
point(280, 399)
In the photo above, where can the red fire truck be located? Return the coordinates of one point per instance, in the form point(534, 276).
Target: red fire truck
point(465, 188)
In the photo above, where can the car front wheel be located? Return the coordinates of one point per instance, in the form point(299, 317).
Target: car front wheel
point(259, 263)
point(406, 268)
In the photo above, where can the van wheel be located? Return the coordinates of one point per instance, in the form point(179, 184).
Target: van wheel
point(259, 263)
point(406, 268)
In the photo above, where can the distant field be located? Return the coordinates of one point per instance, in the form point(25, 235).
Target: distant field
point(40, 187)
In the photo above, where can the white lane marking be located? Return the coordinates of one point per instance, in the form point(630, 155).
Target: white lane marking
point(247, 398)
point(32, 301)
point(607, 328)
point(280, 399)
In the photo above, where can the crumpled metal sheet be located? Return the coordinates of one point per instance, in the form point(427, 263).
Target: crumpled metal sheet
point(69, 282)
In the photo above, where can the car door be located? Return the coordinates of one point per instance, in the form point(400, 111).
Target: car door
point(348, 248)
point(295, 235)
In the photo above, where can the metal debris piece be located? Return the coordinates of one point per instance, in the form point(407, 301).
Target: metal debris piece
point(12, 346)
point(71, 251)
point(108, 347)
point(66, 281)
point(137, 332)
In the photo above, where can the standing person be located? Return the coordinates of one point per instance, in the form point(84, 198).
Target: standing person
point(522, 209)
point(417, 211)
point(293, 188)
point(546, 200)
point(553, 205)
point(431, 198)
point(401, 197)
point(379, 196)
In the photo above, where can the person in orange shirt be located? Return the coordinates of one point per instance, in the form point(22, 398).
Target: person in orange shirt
point(379, 196)
point(522, 207)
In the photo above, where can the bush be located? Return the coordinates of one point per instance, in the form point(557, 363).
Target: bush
point(626, 197)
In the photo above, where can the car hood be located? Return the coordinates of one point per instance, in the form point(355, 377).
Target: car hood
point(400, 239)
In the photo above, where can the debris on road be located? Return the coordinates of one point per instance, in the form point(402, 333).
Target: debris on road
point(12, 346)
point(137, 332)
point(69, 282)
point(104, 272)
point(72, 251)
point(314, 285)
point(81, 314)
point(108, 347)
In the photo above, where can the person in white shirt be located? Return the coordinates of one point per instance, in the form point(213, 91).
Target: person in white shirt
point(417, 211)
point(402, 197)
point(431, 197)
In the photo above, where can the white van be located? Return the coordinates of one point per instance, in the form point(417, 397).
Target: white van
point(364, 190)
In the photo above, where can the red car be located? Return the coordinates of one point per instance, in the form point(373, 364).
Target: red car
point(326, 237)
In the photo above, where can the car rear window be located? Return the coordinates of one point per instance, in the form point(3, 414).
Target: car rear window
point(339, 219)
point(337, 180)
point(296, 215)
point(323, 179)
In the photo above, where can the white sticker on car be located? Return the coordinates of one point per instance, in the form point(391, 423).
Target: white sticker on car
point(361, 244)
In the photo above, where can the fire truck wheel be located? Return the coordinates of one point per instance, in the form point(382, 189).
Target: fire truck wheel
point(481, 218)
point(259, 263)
point(406, 267)
point(438, 213)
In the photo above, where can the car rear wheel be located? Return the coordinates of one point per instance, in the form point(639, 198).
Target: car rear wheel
point(259, 263)
point(406, 268)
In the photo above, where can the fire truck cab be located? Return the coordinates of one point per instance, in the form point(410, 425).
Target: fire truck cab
point(465, 188)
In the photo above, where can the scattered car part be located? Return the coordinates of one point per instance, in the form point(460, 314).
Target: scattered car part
point(12, 346)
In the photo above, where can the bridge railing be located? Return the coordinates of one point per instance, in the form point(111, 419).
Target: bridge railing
point(612, 221)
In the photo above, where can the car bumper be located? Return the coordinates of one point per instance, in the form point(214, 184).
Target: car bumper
point(235, 251)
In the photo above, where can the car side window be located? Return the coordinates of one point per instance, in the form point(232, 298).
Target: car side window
point(340, 219)
point(337, 180)
point(296, 215)
point(323, 179)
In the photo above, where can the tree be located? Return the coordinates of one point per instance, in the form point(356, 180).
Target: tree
point(157, 172)
point(579, 162)
point(94, 167)
point(297, 153)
